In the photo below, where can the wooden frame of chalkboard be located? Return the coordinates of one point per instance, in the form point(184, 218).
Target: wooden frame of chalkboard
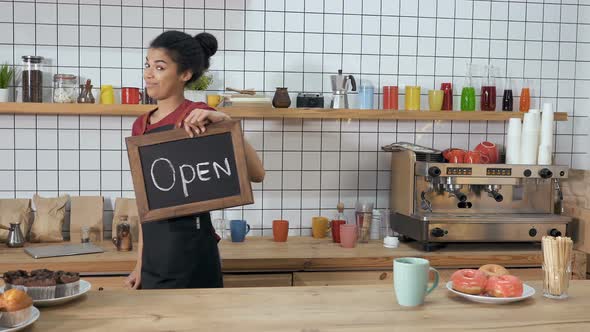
point(156, 205)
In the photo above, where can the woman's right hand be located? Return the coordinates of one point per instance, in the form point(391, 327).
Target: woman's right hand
point(133, 280)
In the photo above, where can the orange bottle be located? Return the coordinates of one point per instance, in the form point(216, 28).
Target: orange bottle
point(525, 100)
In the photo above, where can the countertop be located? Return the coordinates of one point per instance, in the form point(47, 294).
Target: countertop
point(260, 254)
point(311, 309)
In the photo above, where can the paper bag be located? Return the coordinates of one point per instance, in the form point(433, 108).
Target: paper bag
point(49, 218)
point(15, 210)
point(86, 211)
point(126, 207)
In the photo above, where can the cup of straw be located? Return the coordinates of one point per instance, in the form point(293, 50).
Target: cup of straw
point(557, 262)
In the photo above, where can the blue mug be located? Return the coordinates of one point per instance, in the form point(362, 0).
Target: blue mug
point(239, 229)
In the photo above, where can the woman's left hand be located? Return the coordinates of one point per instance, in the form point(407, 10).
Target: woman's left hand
point(198, 119)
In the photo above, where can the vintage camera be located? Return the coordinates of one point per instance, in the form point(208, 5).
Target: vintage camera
point(310, 100)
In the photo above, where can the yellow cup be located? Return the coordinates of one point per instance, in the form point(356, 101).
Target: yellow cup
point(214, 100)
point(412, 98)
point(320, 226)
point(107, 95)
point(435, 99)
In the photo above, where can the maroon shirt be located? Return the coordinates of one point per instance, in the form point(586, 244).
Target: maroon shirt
point(142, 125)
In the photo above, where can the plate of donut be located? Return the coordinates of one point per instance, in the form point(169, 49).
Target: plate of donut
point(490, 284)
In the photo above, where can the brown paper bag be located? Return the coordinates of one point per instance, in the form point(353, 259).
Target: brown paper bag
point(49, 218)
point(86, 211)
point(15, 210)
point(126, 207)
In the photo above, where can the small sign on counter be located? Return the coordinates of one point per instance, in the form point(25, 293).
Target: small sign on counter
point(175, 175)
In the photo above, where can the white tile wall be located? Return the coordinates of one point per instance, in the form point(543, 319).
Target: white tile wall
point(311, 164)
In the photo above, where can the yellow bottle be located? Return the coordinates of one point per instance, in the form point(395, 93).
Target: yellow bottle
point(107, 95)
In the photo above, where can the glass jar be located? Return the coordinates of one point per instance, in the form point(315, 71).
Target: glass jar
point(364, 218)
point(32, 76)
point(64, 88)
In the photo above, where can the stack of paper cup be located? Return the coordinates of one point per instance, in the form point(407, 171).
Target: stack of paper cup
point(546, 136)
point(529, 145)
point(513, 141)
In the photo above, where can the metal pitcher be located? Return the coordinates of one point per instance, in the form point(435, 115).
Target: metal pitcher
point(16, 239)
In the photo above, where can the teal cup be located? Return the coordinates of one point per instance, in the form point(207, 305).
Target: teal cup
point(410, 280)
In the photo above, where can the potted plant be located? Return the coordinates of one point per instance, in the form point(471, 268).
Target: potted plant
point(6, 73)
point(195, 90)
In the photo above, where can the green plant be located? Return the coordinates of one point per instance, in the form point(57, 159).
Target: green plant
point(6, 73)
point(202, 83)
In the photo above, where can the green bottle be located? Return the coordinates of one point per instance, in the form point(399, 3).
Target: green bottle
point(468, 92)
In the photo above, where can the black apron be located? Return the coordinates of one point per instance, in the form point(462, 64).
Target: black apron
point(180, 252)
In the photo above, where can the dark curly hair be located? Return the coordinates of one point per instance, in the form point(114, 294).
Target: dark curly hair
point(189, 53)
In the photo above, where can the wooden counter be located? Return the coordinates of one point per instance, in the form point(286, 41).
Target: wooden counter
point(261, 254)
point(338, 308)
point(298, 254)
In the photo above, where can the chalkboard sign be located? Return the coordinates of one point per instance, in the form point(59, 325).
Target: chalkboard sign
point(175, 175)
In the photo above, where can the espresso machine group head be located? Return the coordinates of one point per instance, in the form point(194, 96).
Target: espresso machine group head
point(435, 202)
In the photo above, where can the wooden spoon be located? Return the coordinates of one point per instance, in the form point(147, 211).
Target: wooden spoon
point(246, 92)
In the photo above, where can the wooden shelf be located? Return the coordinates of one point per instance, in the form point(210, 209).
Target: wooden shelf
point(74, 109)
point(267, 113)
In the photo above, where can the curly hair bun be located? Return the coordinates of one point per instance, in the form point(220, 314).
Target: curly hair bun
point(208, 43)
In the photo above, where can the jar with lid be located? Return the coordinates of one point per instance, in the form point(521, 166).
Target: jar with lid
point(364, 218)
point(32, 76)
point(64, 88)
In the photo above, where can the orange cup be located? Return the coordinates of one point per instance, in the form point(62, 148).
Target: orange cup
point(472, 157)
point(489, 149)
point(348, 236)
point(280, 230)
point(455, 156)
point(320, 227)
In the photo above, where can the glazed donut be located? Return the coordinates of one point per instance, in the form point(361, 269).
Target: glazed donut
point(494, 270)
point(469, 281)
point(504, 286)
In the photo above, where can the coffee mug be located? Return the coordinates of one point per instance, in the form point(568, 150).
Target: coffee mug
point(455, 156)
point(280, 230)
point(348, 236)
point(489, 149)
point(335, 226)
point(238, 229)
point(320, 226)
point(130, 95)
point(107, 94)
point(475, 157)
point(214, 100)
point(410, 280)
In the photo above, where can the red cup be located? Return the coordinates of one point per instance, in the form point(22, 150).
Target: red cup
point(347, 236)
point(280, 230)
point(130, 95)
point(455, 156)
point(490, 150)
point(390, 97)
point(336, 230)
point(472, 157)
point(447, 97)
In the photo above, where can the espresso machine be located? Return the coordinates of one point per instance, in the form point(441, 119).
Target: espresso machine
point(340, 89)
point(434, 202)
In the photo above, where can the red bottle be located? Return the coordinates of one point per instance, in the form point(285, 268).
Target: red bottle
point(448, 96)
point(488, 98)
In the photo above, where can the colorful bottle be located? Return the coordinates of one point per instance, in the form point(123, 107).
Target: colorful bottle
point(525, 100)
point(488, 92)
point(468, 92)
point(507, 97)
point(448, 96)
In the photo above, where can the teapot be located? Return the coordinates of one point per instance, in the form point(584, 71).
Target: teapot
point(16, 239)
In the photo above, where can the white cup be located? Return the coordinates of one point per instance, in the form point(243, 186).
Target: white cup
point(390, 242)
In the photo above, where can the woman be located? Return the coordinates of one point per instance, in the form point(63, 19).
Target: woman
point(180, 252)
